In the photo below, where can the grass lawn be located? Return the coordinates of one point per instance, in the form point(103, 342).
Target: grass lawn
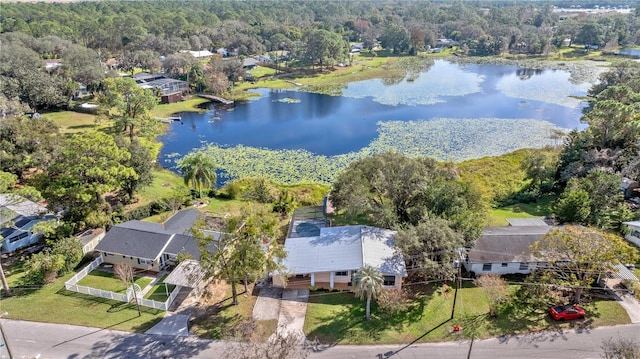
point(164, 182)
point(106, 281)
point(339, 318)
point(262, 71)
point(158, 292)
point(190, 105)
point(53, 304)
point(498, 216)
point(74, 122)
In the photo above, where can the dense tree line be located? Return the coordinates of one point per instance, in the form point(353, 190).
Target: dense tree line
point(594, 161)
point(85, 35)
point(255, 26)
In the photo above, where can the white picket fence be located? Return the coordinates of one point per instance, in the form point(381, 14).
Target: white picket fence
point(71, 285)
point(160, 305)
point(83, 273)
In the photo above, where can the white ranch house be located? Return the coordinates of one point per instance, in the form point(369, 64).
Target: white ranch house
point(506, 250)
point(327, 257)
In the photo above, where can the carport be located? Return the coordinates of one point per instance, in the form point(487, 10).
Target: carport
point(187, 274)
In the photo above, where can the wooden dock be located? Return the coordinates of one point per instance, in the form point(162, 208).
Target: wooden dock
point(170, 119)
point(215, 98)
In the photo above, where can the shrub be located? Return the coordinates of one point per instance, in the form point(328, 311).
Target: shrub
point(71, 250)
point(392, 302)
point(43, 267)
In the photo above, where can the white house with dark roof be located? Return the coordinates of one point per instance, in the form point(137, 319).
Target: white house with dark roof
point(151, 246)
point(506, 250)
point(329, 259)
point(17, 218)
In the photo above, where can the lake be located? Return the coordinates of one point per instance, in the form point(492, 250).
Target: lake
point(450, 112)
point(630, 52)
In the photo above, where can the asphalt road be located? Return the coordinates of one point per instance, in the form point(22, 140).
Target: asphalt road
point(42, 340)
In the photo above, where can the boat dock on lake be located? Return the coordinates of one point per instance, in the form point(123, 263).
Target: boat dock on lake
point(215, 98)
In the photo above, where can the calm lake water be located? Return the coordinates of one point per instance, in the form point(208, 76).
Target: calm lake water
point(630, 52)
point(332, 125)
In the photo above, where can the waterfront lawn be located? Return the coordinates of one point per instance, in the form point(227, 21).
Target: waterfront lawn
point(541, 208)
point(190, 105)
point(52, 303)
point(164, 183)
point(107, 281)
point(74, 122)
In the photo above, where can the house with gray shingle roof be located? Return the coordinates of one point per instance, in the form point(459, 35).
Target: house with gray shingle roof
point(151, 246)
point(506, 250)
point(17, 218)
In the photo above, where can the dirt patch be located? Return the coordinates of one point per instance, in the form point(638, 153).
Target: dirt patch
point(166, 185)
point(214, 294)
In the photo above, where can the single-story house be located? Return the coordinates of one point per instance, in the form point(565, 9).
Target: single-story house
point(90, 239)
point(151, 246)
point(202, 54)
point(249, 63)
point(506, 250)
point(167, 85)
point(17, 217)
point(264, 58)
point(634, 232)
point(330, 258)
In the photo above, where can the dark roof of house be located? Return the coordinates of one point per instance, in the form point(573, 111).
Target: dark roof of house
point(144, 226)
point(182, 243)
point(148, 240)
point(507, 244)
point(182, 221)
point(133, 242)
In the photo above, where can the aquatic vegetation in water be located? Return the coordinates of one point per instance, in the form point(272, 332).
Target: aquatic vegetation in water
point(445, 139)
point(288, 100)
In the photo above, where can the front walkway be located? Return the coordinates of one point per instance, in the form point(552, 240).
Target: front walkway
point(176, 320)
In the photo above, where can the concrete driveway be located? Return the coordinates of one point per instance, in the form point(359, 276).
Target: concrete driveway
point(293, 309)
point(631, 305)
point(267, 305)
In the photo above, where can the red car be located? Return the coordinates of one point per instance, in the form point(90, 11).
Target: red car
point(567, 312)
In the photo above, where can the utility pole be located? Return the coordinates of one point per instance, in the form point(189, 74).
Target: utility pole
point(455, 294)
point(458, 265)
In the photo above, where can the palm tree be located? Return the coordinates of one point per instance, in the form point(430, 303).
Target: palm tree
point(198, 169)
point(368, 283)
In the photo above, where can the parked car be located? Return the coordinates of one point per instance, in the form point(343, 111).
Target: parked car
point(567, 312)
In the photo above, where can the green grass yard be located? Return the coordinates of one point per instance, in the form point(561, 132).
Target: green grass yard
point(190, 105)
point(541, 208)
point(75, 122)
point(107, 281)
point(52, 303)
point(339, 318)
point(159, 292)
